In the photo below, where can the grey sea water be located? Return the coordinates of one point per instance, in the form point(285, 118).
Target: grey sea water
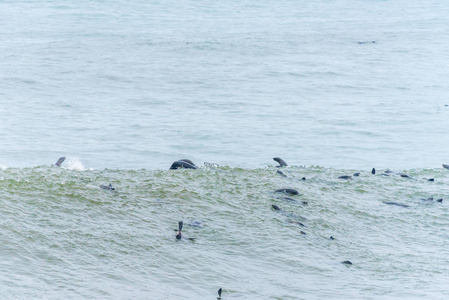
point(124, 88)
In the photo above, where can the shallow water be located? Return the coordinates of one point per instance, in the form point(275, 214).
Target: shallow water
point(64, 235)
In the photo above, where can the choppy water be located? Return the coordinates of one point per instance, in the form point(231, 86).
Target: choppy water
point(124, 88)
point(64, 236)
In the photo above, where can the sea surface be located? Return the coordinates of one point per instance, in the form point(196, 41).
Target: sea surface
point(123, 89)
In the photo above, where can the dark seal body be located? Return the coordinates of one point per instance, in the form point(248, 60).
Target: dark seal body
point(281, 162)
point(287, 191)
point(60, 161)
point(185, 163)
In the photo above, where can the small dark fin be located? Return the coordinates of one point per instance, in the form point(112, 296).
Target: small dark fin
point(305, 202)
point(302, 232)
point(60, 161)
point(275, 207)
point(345, 177)
point(180, 225)
point(179, 235)
point(179, 164)
point(303, 178)
point(356, 174)
point(431, 179)
point(288, 191)
point(373, 171)
point(281, 162)
point(282, 174)
point(346, 262)
point(219, 293)
point(440, 200)
point(332, 238)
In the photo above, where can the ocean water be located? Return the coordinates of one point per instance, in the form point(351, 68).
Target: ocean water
point(124, 88)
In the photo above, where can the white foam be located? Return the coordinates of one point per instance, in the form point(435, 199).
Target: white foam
point(73, 163)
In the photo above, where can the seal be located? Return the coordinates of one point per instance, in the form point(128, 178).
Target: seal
point(219, 293)
point(60, 161)
point(289, 215)
point(345, 177)
point(108, 187)
point(293, 200)
point(287, 191)
point(346, 262)
point(281, 173)
point(397, 204)
point(179, 235)
point(445, 166)
point(281, 162)
point(183, 163)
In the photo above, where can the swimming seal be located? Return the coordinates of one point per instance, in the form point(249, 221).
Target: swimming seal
point(287, 191)
point(183, 163)
point(108, 187)
point(289, 215)
point(179, 235)
point(282, 174)
point(60, 161)
point(346, 262)
point(345, 177)
point(356, 174)
point(292, 200)
point(397, 204)
point(281, 162)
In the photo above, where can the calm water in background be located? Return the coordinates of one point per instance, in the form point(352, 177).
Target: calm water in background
point(125, 88)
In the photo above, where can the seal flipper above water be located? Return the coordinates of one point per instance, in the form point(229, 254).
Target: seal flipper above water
point(60, 161)
point(281, 162)
point(179, 235)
